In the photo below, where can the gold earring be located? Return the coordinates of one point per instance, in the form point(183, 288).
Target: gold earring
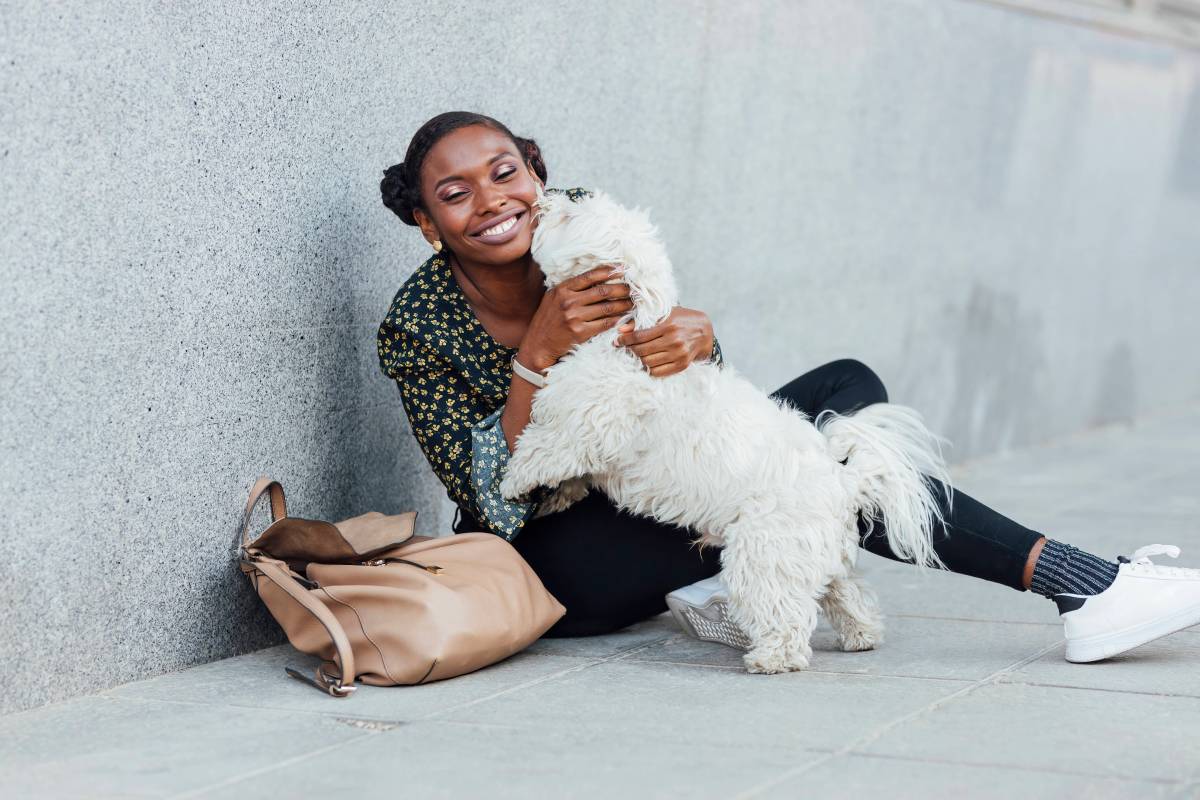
point(437, 245)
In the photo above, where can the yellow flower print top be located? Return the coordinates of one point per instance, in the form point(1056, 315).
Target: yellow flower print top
point(453, 379)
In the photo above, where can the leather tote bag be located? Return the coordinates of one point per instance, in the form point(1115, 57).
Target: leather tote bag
point(383, 606)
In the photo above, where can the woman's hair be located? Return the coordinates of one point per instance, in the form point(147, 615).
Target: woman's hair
point(401, 184)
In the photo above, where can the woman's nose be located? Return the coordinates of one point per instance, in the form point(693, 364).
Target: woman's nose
point(493, 200)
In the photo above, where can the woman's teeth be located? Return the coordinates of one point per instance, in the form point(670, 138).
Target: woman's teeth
point(501, 228)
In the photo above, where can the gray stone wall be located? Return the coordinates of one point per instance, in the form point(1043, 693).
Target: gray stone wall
point(996, 211)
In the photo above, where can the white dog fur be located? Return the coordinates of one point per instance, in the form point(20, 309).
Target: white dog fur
point(707, 450)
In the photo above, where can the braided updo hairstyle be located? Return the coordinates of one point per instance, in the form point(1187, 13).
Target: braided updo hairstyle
point(401, 184)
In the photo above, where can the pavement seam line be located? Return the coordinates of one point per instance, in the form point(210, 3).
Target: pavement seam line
point(975, 619)
point(287, 762)
point(853, 744)
point(732, 668)
point(1136, 692)
point(543, 679)
point(1024, 768)
point(428, 717)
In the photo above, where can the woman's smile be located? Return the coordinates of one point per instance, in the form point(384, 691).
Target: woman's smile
point(500, 229)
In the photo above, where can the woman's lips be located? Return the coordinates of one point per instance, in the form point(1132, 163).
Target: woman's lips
point(504, 231)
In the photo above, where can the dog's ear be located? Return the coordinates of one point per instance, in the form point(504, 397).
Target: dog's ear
point(647, 269)
point(550, 247)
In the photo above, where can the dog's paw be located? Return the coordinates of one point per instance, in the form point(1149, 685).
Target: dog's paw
point(512, 489)
point(769, 661)
point(861, 639)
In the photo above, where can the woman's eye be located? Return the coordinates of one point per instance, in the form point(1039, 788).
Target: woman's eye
point(506, 172)
point(452, 196)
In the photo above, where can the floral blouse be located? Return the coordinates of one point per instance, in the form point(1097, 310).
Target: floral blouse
point(453, 379)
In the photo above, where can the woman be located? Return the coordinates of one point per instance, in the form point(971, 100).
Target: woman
point(458, 322)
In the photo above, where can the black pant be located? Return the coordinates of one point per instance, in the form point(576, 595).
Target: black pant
point(611, 568)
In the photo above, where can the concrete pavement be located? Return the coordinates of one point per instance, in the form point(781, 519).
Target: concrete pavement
point(969, 696)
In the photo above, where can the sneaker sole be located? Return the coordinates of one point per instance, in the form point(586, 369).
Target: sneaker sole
point(709, 623)
point(1107, 645)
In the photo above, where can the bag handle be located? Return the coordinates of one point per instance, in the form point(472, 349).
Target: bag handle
point(278, 503)
point(343, 685)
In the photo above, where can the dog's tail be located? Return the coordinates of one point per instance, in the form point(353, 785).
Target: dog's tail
point(897, 464)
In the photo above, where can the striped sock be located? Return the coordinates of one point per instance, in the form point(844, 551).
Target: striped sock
point(1064, 568)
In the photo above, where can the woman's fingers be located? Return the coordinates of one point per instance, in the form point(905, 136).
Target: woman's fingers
point(665, 370)
point(604, 272)
point(606, 309)
point(659, 359)
point(597, 326)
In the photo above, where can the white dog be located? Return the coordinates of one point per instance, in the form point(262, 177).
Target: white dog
point(707, 450)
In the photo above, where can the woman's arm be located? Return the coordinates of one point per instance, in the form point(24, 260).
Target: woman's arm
point(569, 314)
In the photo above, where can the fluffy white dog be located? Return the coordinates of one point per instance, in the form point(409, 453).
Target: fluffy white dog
point(707, 450)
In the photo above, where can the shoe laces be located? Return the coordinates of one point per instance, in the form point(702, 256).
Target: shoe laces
point(1140, 561)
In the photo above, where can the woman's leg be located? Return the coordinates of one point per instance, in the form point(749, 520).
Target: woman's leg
point(975, 540)
point(608, 567)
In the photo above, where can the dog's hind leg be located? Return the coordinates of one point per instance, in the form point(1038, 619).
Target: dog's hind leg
point(853, 611)
point(773, 585)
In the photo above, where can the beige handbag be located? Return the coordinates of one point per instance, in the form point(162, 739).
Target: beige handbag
point(381, 605)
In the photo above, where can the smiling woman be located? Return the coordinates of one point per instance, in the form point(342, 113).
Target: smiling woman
point(468, 331)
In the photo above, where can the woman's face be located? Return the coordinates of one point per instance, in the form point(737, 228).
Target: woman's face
point(479, 193)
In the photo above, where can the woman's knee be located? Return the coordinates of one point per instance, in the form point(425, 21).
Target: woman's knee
point(854, 372)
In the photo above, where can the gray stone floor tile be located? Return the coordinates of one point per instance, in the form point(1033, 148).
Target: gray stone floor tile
point(1050, 728)
point(104, 747)
point(690, 703)
point(902, 589)
point(913, 647)
point(652, 630)
point(855, 776)
point(565, 759)
point(257, 680)
point(1167, 666)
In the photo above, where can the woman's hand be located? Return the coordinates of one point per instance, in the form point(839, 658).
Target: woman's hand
point(573, 312)
point(670, 346)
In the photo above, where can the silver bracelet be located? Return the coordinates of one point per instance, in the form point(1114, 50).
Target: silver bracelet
point(536, 378)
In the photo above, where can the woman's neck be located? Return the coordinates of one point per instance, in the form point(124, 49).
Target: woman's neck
point(505, 292)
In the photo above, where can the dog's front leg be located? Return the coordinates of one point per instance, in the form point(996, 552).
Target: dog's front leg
point(773, 586)
point(543, 457)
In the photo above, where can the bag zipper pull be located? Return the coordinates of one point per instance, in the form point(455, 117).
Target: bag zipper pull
point(379, 562)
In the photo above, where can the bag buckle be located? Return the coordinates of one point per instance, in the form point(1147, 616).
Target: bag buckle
point(325, 682)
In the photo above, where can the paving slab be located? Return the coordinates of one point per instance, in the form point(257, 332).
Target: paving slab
point(1167, 666)
point(1084, 731)
point(257, 680)
point(805, 710)
point(652, 630)
point(853, 776)
point(570, 759)
point(106, 747)
point(913, 647)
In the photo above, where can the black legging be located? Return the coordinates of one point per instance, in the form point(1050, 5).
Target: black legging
point(611, 568)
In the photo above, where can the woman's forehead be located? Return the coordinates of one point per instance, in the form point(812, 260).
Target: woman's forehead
point(466, 150)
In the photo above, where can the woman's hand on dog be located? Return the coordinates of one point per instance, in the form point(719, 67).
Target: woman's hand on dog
point(573, 312)
point(672, 345)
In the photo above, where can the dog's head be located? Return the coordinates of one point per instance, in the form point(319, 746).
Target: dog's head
point(573, 237)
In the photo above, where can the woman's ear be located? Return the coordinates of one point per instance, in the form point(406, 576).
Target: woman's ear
point(428, 229)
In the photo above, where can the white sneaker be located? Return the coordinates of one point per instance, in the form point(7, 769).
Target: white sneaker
point(702, 610)
point(1144, 603)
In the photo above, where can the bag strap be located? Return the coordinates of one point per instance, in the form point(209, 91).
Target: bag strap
point(278, 503)
point(343, 685)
